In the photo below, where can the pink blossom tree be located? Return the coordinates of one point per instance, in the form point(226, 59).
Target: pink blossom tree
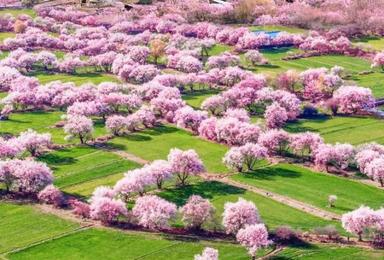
point(276, 141)
point(305, 143)
point(365, 157)
point(216, 105)
point(133, 182)
point(115, 124)
point(79, 126)
point(208, 254)
point(185, 164)
point(255, 57)
point(159, 171)
point(153, 212)
point(245, 157)
point(275, 116)
point(25, 176)
point(359, 220)
point(187, 117)
point(196, 212)
point(375, 170)
point(238, 214)
point(253, 237)
point(378, 60)
point(80, 208)
point(238, 113)
point(107, 210)
point(352, 99)
point(338, 155)
point(51, 195)
point(33, 141)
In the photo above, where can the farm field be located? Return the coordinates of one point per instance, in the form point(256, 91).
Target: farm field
point(191, 130)
point(313, 187)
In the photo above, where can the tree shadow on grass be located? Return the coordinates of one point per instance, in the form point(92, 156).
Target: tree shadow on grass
point(162, 129)
point(208, 190)
point(54, 160)
point(298, 125)
point(270, 173)
point(137, 138)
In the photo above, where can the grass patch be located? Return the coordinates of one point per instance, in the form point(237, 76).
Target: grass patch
point(354, 130)
point(196, 98)
point(374, 42)
point(78, 78)
point(22, 225)
point(5, 35)
point(278, 28)
point(42, 122)
point(313, 188)
point(321, 252)
point(273, 213)
point(155, 143)
point(107, 244)
point(218, 49)
point(82, 164)
point(17, 12)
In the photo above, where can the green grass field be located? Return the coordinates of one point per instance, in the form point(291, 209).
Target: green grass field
point(321, 252)
point(377, 43)
point(5, 35)
point(155, 143)
point(22, 225)
point(353, 65)
point(82, 166)
point(78, 78)
point(107, 244)
point(17, 12)
point(42, 122)
point(354, 130)
point(313, 188)
point(273, 213)
point(196, 98)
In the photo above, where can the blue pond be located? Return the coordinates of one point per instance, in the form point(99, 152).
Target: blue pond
point(271, 34)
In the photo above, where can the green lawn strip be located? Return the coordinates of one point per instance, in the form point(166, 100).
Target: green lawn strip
point(354, 130)
point(43, 122)
point(78, 78)
point(273, 213)
point(323, 252)
point(22, 225)
point(302, 184)
point(17, 12)
point(155, 143)
point(217, 49)
point(196, 98)
point(86, 188)
point(79, 165)
point(374, 42)
point(5, 35)
point(3, 94)
point(107, 244)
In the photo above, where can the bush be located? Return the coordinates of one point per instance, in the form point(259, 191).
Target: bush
point(81, 209)
point(51, 195)
point(285, 233)
point(330, 231)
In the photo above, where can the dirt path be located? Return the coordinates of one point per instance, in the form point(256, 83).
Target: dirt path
point(277, 197)
point(122, 154)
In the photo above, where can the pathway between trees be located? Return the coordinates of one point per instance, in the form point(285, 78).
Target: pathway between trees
point(224, 179)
